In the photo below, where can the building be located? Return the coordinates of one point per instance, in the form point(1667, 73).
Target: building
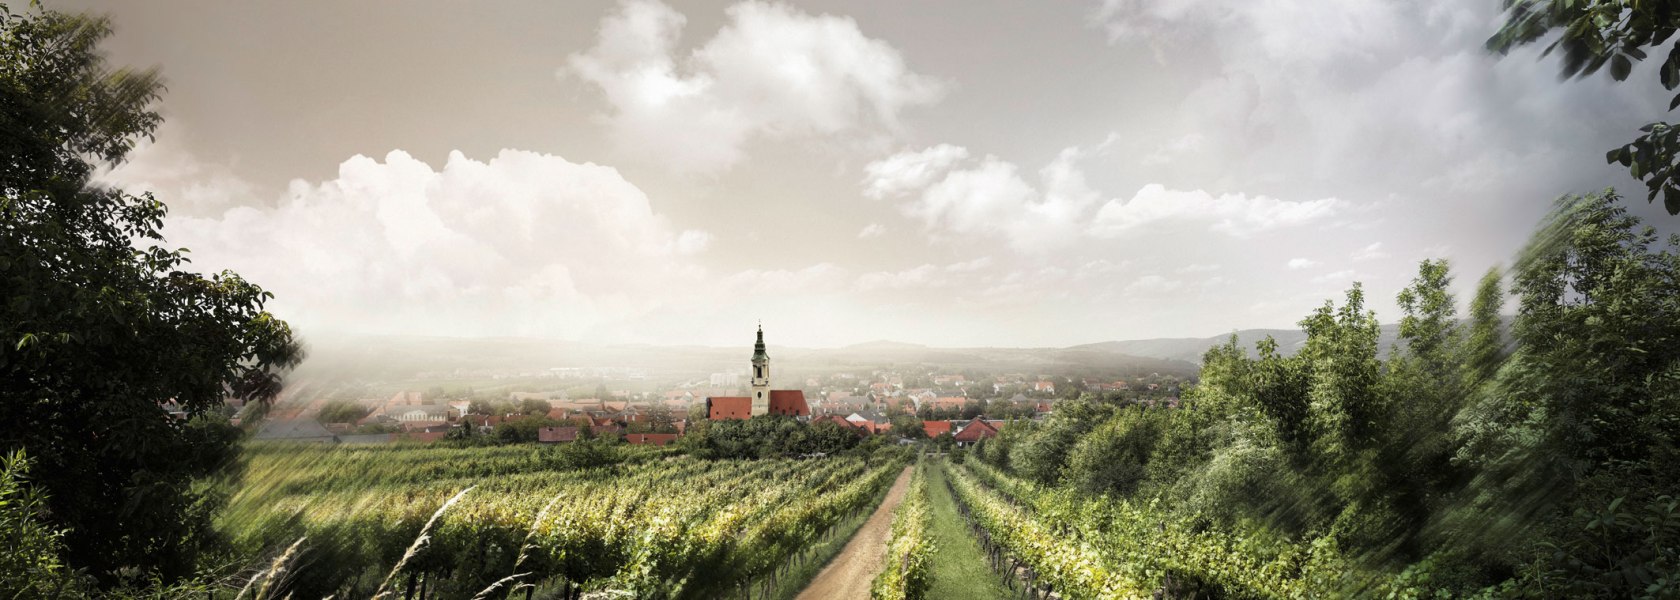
point(763, 401)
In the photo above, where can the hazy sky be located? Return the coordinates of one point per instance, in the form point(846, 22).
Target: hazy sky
point(949, 172)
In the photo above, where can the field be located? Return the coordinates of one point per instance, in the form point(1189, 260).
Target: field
point(451, 522)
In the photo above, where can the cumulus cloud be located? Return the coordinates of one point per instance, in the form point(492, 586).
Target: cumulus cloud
point(189, 186)
point(1302, 263)
point(872, 230)
point(910, 171)
point(771, 71)
point(1391, 95)
point(1233, 214)
point(945, 190)
point(521, 244)
point(987, 196)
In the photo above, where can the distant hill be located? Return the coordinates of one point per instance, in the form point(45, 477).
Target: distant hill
point(1191, 349)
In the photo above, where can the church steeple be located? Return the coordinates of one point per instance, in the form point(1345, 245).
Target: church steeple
point(761, 376)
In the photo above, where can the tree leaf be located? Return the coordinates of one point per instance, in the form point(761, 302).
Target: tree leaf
point(1620, 66)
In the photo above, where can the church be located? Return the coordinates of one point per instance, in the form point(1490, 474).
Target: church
point(763, 401)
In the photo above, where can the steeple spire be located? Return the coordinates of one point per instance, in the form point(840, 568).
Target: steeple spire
point(761, 376)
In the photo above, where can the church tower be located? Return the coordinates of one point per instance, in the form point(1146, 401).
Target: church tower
point(760, 377)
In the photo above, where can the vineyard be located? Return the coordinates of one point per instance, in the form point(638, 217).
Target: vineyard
point(1087, 547)
point(904, 576)
point(454, 522)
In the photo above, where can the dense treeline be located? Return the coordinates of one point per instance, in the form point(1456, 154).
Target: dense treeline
point(1535, 463)
point(773, 436)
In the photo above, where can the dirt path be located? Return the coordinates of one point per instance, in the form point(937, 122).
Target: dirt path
point(848, 576)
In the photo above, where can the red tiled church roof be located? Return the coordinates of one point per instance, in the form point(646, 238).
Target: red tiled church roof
point(728, 407)
point(789, 403)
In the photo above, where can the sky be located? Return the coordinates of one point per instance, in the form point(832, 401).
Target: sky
point(953, 173)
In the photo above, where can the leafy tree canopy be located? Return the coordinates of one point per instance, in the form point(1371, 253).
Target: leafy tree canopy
point(1592, 34)
point(100, 325)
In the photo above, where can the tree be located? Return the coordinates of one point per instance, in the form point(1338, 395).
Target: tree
point(99, 324)
point(1595, 33)
point(341, 411)
point(534, 406)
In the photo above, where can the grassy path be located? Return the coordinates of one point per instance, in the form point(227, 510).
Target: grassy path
point(959, 569)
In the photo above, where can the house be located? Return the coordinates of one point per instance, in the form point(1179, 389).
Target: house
point(654, 439)
point(974, 431)
point(1044, 386)
point(934, 429)
point(763, 401)
point(557, 435)
point(604, 428)
point(424, 413)
point(867, 417)
point(950, 404)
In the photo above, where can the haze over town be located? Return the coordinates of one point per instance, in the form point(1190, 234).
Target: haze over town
point(953, 174)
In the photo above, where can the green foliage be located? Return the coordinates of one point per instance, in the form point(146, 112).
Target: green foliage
point(1463, 464)
point(341, 411)
point(904, 574)
point(1114, 458)
point(1594, 33)
point(1616, 552)
point(101, 325)
point(1042, 451)
point(771, 436)
point(645, 521)
point(29, 549)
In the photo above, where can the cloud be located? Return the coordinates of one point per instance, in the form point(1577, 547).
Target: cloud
point(1371, 252)
point(1301, 263)
point(987, 196)
point(164, 167)
point(770, 72)
point(872, 230)
point(1198, 268)
point(522, 244)
point(1233, 214)
point(906, 172)
point(1392, 96)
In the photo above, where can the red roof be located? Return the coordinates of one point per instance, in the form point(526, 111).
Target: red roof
point(657, 439)
point(934, 428)
point(789, 402)
point(551, 435)
point(719, 408)
point(976, 430)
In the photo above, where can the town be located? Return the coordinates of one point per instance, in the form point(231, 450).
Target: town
point(949, 406)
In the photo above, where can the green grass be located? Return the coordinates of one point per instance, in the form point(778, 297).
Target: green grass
point(958, 568)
